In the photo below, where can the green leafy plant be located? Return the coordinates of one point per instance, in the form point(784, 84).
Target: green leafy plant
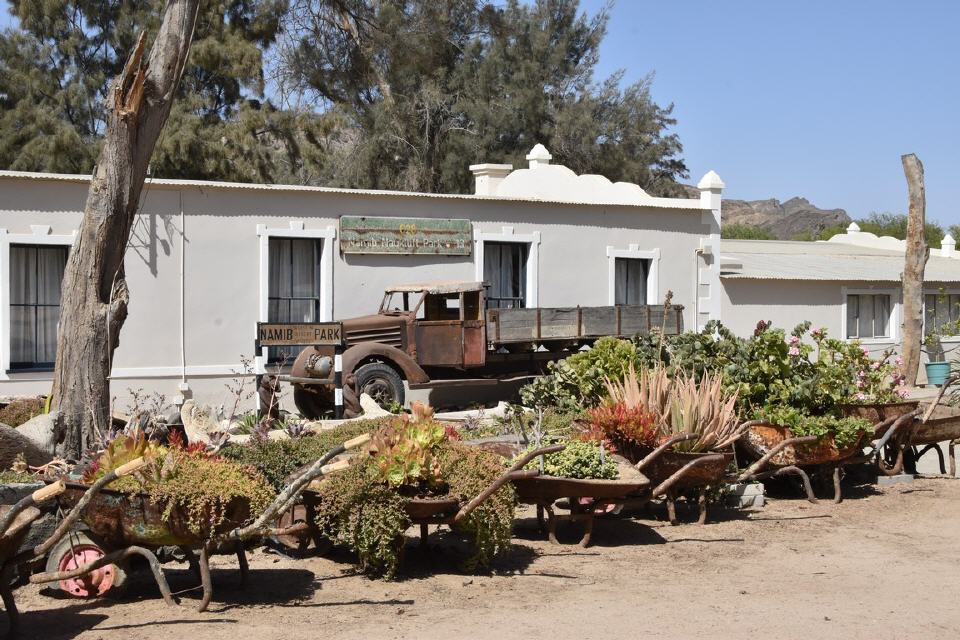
point(406, 453)
point(706, 410)
point(846, 431)
point(360, 509)
point(580, 459)
point(277, 459)
point(189, 480)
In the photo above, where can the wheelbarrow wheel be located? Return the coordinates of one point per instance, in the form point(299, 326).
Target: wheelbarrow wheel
point(76, 550)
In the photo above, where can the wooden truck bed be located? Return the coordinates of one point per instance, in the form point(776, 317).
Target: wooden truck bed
point(510, 326)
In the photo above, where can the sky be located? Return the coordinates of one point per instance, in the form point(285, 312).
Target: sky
point(816, 99)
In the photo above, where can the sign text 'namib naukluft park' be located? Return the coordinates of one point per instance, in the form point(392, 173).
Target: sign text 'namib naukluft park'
point(434, 236)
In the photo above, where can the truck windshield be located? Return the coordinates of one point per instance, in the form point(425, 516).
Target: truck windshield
point(400, 301)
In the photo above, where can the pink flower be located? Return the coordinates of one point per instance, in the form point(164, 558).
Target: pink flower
point(860, 384)
point(794, 351)
point(860, 397)
point(794, 340)
point(875, 365)
point(902, 393)
point(866, 351)
point(898, 361)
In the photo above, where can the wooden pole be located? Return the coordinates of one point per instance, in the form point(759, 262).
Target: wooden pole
point(915, 261)
point(94, 291)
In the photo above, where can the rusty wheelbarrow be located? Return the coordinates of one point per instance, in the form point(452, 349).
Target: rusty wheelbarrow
point(777, 452)
point(425, 511)
point(121, 525)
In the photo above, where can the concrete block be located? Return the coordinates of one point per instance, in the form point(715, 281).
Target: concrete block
point(886, 481)
point(746, 495)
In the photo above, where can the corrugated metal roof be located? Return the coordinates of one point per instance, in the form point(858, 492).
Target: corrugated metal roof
point(683, 204)
point(784, 260)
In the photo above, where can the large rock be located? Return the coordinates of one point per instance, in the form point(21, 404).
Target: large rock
point(12, 442)
point(784, 220)
point(198, 421)
point(41, 431)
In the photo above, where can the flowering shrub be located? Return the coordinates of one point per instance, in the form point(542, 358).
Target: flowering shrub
point(847, 371)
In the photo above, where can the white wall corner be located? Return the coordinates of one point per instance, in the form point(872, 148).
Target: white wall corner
point(487, 177)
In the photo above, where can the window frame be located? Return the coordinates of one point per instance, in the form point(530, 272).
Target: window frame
point(35, 364)
point(937, 292)
point(894, 319)
point(295, 229)
point(507, 234)
point(634, 252)
point(40, 234)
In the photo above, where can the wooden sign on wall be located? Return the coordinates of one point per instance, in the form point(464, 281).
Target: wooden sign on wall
point(405, 236)
point(299, 334)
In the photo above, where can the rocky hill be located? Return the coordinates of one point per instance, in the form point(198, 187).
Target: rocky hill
point(784, 220)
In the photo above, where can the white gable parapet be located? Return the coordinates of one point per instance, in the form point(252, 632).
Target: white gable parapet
point(555, 182)
point(859, 238)
point(708, 257)
point(948, 247)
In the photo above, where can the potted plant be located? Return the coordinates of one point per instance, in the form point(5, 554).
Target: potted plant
point(938, 369)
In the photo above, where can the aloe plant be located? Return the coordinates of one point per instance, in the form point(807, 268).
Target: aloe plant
point(703, 409)
point(681, 405)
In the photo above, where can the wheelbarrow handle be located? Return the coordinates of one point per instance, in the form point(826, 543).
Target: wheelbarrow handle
point(291, 492)
point(780, 446)
point(504, 478)
point(71, 518)
point(530, 455)
point(653, 455)
point(898, 424)
point(667, 484)
point(38, 496)
point(933, 405)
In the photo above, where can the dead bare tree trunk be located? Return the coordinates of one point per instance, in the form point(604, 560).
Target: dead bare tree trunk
point(916, 260)
point(95, 296)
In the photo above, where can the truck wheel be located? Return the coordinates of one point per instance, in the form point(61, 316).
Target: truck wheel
point(380, 382)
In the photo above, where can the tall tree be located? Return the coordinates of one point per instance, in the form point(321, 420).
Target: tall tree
point(55, 69)
point(95, 296)
point(428, 86)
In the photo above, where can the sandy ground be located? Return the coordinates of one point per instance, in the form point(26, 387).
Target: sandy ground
point(883, 564)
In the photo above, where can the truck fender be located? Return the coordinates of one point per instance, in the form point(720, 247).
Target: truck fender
point(360, 352)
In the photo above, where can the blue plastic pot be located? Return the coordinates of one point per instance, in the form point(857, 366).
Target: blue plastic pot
point(937, 372)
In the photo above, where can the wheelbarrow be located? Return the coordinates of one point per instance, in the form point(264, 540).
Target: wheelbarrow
point(122, 525)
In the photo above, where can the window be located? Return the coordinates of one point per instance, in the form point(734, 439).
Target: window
point(868, 315)
point(294, 290)
point(940, 309)
point(36, 272)
point(505, 271)
point(630, 280)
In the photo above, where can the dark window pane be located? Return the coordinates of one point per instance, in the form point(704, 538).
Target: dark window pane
point(853, 312)
point(23, 337)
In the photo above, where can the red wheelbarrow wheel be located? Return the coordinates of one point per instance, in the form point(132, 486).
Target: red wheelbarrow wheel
point(76, 550)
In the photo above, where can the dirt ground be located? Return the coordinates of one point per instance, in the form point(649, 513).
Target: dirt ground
point(883, 564)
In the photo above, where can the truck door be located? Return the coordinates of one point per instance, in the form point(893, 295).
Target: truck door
point(474, 329)
point(440, 332)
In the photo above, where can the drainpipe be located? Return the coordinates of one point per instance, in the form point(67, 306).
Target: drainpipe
point(184, 386)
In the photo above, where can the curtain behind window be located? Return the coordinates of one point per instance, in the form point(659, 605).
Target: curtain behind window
point(630, 280)
point(505, 271)
point(36, 274)
point(294, 285)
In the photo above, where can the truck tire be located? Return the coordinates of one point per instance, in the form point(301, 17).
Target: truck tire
point(380, 382)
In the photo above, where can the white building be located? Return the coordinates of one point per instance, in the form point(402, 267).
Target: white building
point(208, 260)
point(850, 284)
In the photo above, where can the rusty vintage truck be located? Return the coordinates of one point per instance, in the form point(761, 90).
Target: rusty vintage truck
point(428, 334)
